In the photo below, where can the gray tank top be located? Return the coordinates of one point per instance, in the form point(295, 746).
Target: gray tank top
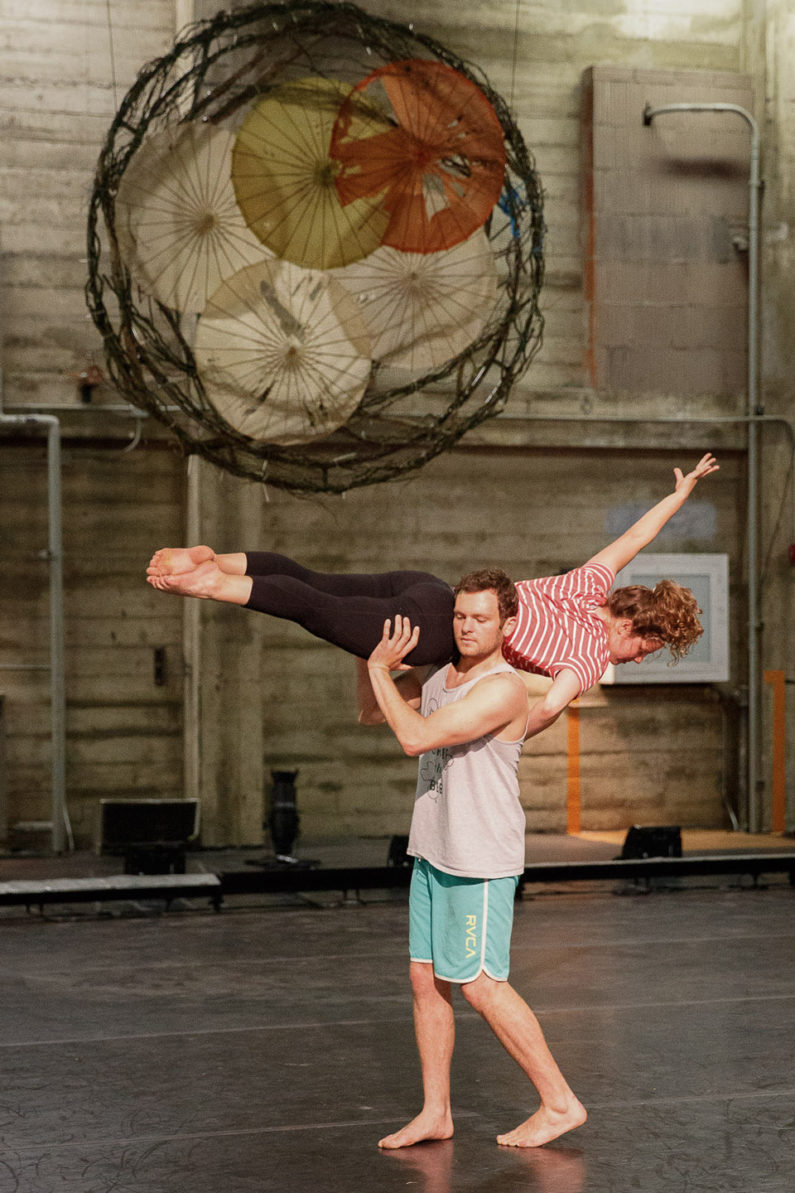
point(467, 818)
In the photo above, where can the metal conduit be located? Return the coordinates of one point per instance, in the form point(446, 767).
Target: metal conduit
point(60, 827)
point(191, 647)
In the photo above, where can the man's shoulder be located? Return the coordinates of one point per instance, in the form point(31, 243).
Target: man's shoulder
point(505, 685)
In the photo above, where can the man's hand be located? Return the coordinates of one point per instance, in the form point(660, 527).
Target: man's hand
point(704, 467)
point(395, 644)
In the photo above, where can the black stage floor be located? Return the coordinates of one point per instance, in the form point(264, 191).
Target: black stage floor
point(268, 1048)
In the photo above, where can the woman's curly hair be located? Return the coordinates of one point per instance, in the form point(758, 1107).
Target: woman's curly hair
point(668, 612)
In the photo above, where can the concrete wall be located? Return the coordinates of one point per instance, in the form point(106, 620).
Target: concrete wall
point(123, 724)
point(66, 65)
point(774, 45)
point(534, 490)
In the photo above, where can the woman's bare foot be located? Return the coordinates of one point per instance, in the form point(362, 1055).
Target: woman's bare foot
point(424, 1126)
point(206, 581)
point(201, 581)
point(173, 561)
point(544, 1126)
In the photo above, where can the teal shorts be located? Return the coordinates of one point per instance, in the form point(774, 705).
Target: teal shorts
point(462, 926)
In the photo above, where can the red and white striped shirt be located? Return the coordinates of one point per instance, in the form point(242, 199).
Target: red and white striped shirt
point(557, 625)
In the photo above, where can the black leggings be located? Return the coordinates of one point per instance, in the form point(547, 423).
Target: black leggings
point(350, 610)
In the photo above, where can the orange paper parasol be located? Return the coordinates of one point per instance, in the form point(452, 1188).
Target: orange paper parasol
point(180, 230)
point(434, 152)
point(284, 179)
point(422, 309)
point(283, 353)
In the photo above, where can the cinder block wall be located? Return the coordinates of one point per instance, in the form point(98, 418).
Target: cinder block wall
point(665, 239)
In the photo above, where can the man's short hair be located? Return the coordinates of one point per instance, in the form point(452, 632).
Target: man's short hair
point(492, 580)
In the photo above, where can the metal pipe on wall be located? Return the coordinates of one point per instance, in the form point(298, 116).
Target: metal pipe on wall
point(61, 830)
point(191, 648)
point(753, 412)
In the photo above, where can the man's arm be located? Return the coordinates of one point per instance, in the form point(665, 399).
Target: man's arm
point(409, 686)
point(645, 530)
point(544, 712)
point(491, 705)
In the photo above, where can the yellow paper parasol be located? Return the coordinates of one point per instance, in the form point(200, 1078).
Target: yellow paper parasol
point(422, 309)
point(284, 178)
point(283, 353)
point(182, 233)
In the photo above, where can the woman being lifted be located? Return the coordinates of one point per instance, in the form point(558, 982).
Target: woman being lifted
point(570, 627)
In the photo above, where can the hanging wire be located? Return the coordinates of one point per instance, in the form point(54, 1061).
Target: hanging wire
point(515, 56)
point(111, 53)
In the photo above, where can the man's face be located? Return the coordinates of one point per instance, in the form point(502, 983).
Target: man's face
point(628, 647)
point(476, 624)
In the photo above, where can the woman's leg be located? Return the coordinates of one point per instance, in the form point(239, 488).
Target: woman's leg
point(350, 611)
point(347, 610)
point(176, 561)
point(347, 584)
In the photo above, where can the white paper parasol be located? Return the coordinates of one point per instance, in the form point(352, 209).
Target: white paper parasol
point(422, 309)
point(283, 353)
point(182, 231)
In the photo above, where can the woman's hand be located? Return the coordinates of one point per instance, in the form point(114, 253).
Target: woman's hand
point(618, 554)
point(706, 464)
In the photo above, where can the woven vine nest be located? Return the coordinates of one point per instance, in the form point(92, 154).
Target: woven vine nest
point(162, 344)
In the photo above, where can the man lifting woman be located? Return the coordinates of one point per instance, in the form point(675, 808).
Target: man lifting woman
point(569, 627)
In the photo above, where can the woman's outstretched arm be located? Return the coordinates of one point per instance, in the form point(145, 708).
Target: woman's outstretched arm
point(645, 530)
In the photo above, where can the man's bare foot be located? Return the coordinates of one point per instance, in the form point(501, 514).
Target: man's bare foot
point(544, 1126)
point(172, 561)
point(423, 1127)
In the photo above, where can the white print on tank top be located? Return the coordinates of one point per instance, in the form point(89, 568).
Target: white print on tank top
point(435, 762)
